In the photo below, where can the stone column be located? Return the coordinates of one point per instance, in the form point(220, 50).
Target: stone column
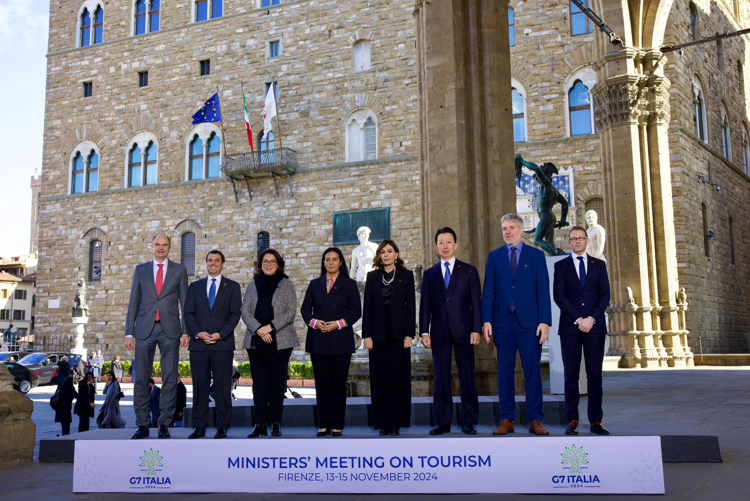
point(466, 133)
point(631, 105)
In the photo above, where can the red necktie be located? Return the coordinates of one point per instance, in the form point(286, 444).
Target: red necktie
point(159, 284)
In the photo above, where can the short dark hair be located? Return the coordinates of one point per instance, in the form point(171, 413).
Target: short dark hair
point(446, 230)
point(343, 268)
point(279, 261)
point(574, 228)
point(151, 381)
point(377, 263)
point(223, 259)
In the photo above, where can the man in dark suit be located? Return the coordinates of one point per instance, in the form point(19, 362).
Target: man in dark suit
point(157, 295)
point(581, 290)
point(155, 402)
point(212, 310)
point(449, 320)
point(517, 312)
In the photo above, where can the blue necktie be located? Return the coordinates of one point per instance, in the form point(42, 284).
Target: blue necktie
point(212, 293)
point(581, 271)
point(447, 274)
point(513, 267)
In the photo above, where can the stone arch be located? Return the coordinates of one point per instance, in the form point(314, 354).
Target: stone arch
point(521, 72)
point(95, 233)
point(187, 225)
point(84, 132)
point(359, 101)
point(142, 123)
point(360, 34)
point(578, 58)
point(593, 189)
point(92, 235)
point(655, 23)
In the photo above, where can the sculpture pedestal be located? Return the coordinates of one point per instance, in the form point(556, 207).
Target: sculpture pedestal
point(556, 374)
point(17, 430)
point(79, 321)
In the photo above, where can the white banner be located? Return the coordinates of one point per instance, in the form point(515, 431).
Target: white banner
point(581, 465)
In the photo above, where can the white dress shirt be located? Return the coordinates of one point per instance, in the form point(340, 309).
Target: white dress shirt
point(451, 264)
point(576, 264)
point(209, 281)
point(163, 268)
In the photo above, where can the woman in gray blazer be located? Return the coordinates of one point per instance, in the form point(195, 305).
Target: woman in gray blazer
point(268, 310)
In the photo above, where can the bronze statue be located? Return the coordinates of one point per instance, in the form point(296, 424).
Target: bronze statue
point(548, 196)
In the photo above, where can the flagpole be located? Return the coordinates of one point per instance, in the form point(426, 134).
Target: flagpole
point(244, 109)
point(278, 119)
point(223, 136)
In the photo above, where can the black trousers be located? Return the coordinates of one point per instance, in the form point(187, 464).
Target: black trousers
point(592, 346)
point(390, 384)
point(65, 428)
point(331, 373)
point(83, 423)
point(204, 365)
point(443, 399)
point(269, 371)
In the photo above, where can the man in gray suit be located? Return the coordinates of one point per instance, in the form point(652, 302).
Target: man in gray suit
point(157, 296)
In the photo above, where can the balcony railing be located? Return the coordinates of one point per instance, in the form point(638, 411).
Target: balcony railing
point(281, 161)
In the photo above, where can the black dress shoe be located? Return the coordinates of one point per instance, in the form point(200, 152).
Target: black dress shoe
point(221, 433)
point(323, 433)
point(440, 430)
point(395, 432)
point(275, 430)
point(468, 429)
point(572, 428)
point(384, 432)
point(164, 432)
point(141, 433)
point(198, 433)
point(598, 429)
point(336, 433)
point(260, 429)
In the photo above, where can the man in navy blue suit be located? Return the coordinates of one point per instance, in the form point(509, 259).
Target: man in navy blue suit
point(517, 312)
point(581, 290)
point(449, 320)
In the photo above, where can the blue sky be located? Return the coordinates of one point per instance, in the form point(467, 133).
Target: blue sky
point(23, 66)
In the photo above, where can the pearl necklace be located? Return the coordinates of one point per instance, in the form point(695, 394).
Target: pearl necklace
point(389, 282)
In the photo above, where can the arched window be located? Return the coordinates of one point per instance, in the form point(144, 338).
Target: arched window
point(84, 172)
point(699, 112)
point(512, 26)
point(519, 117)
point(745, 153)
point(579, 102)
point(85, 28)
point(204, 162)
point(98, 25)
point(596, 205)
point(361, 137)
point(95, 261)
point(152, 153)
point(135, 166)
point(154, 16)
point(187, 252)
point(580, 24)
point(264, 242)
point(267, 154)
point(140, 17)
point(726, 135)
point(362, 55)
point(693, 22)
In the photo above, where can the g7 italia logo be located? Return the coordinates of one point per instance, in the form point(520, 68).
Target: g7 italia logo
point(576, 460)
point(150, 463)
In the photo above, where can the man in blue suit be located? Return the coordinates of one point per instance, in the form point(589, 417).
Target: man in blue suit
point(581, 290)
point(449, 320)
point(516, 310)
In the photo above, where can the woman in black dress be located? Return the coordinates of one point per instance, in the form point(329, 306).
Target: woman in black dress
point(330, 308)
point(388, 326)
point(66, 395)
point(84, 407)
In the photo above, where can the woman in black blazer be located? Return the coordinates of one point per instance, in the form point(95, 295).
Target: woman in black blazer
point(388, 326)
point(84, 407)
point(330, 308)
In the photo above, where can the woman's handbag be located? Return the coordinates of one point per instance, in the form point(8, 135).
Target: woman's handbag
point(54, 400)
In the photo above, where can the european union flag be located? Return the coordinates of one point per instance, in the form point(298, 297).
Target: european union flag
point(209, 112)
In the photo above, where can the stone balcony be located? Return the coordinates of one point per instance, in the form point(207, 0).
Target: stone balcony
point(266, 163)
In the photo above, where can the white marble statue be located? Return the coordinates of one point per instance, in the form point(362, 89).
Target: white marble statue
point(363, 255)
point(596, 235)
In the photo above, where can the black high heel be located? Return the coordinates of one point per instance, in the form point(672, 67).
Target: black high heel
point(260, 429)
point(275, 430)
point(323, 433)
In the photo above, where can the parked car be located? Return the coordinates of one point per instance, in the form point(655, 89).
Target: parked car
point(25, 378)
point(12, 356)
point(44, 364)
point(77, 365)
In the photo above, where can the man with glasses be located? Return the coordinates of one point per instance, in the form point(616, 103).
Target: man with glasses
point(581, 290)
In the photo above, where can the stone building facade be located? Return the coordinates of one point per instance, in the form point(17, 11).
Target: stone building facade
point(561, 67)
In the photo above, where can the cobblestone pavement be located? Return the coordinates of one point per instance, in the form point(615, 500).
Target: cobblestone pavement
point(715, 399)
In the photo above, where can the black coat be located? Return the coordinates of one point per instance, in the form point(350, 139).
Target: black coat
point(402, 306)
point(63, 371)
point(222, 318)
point(86, 396)
point(341, 303)
point(67, 393)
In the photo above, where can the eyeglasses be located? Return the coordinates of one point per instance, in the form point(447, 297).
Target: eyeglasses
point(579, 239)
point(265, 261)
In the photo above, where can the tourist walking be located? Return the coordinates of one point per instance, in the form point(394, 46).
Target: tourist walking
point(109, 414)
point(66, 393)
point(388, 326)
point(330, 308)
point(98, 365)
point(268, 311)
point(85, 405)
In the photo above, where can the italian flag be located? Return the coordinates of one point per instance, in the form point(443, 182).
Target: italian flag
point(247, 121)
